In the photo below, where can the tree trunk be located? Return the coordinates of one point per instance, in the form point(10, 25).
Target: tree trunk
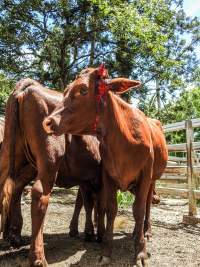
point(158, 97)
point(92, 50)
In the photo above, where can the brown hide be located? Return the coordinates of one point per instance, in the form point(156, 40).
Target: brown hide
point(2, 122)
point(160, 148)
point(80, 151)
point(80, 165)
point(133, 147)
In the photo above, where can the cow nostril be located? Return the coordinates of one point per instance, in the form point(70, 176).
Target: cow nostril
point(48, 122)
point(51, 125)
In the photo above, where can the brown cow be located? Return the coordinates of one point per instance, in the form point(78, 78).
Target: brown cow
point(2, 122)
point(127, 139)
point(26, 142)
point(13, 233)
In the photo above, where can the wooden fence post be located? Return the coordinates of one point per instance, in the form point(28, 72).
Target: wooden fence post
point(191, 217)
point(190, 162)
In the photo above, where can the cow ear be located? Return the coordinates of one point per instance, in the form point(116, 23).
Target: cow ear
point(122, 85)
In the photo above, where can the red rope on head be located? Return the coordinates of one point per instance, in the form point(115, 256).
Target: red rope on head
point(102, 71)
point(102, 89)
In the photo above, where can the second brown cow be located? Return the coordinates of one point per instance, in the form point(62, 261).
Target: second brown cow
point(27, 152)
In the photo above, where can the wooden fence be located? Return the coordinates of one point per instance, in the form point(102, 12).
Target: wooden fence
point(182, 174)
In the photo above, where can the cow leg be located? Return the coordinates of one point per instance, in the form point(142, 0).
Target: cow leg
point(101, 216)
point(156, 198)
point(6, 229)
point(41, 191)
point(139, 210)
point(4, 163)
point(16, 220)
point(74, 222)
point(95, 212)
point(88, 205)
point(147, 221)
point(101, 201)
point(111, 212)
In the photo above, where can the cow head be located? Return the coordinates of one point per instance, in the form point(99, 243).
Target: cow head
point(78, 112)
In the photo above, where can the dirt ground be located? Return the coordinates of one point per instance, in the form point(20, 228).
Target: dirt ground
point(172, 244)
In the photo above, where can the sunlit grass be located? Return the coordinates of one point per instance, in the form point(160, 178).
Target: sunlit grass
point(124, 199)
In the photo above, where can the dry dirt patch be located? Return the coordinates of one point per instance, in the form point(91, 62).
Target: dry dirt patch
point(172, 244)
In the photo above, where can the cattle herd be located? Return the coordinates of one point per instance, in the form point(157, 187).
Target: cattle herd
point(88, 137)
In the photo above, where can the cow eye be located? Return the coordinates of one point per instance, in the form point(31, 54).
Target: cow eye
point(83, 91)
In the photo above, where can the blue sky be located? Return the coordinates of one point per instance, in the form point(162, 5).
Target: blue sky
point(192, 7)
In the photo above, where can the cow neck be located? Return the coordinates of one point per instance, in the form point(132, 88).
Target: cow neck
point(118, 120)
point(124, 139)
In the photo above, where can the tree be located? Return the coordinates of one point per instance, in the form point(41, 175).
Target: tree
point(6, 86)
point(184, 108)
point(47, 40)
point(157, 48)
point(53, 40)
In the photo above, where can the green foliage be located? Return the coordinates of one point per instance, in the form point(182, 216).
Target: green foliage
point(124, 200)
point(52, 40)
point(151, 44)
point(185, 107)
point(6, 86)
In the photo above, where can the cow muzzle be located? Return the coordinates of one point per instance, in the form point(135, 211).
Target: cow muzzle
point(50, 125)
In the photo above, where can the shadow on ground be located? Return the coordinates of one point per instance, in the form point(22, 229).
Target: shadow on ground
point(59, 248)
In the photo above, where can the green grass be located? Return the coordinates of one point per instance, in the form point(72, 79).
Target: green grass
point(198, 202)
point(124, 199)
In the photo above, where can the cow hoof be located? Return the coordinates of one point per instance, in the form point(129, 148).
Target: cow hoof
point(155, 199)
point(148, 235)
point(99, 239)
point(143, 263)
point(142, 260)
point(140, 263)
point(89, 237)
point(133, 235)
point(40, 263)
point(74, 233)
point(103, 260)
point(5, 236)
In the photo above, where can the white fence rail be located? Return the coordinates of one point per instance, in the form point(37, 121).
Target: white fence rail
point(177, 126)
point(182, 174)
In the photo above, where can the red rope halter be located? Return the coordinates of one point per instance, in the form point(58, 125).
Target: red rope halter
point(101, 90)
